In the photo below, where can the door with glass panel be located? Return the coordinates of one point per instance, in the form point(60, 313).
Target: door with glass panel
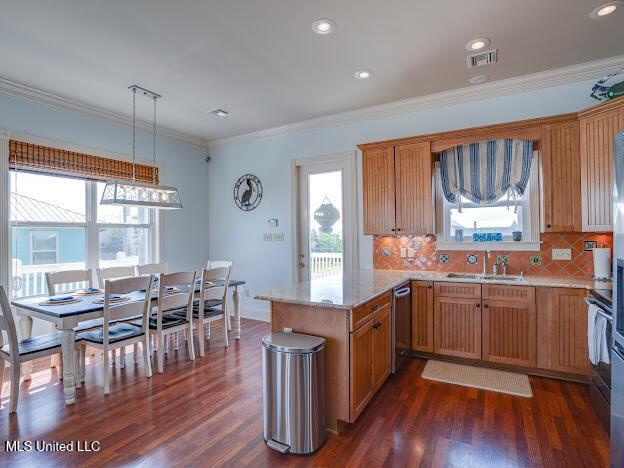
point(325, 219)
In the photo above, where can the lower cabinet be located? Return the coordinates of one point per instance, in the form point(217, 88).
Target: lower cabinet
point(370, 359)
point(508, 332)
point(457, 326)
point(562, 330)
point(422, 316)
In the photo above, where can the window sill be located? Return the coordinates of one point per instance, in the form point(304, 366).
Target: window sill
point(498, 246)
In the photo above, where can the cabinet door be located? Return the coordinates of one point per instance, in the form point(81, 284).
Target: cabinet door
point(378, 191)
point(414, 200)
point(562, 331)
point(422, 316)
point(382, 347)
point(361, 363)
point(561, 177)
point(457, 327)
point(597, 133)
point(509, 333)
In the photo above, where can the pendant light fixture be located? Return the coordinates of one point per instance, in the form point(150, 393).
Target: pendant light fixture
point(141, 194)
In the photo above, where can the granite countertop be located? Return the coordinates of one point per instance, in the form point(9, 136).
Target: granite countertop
point(360, 286)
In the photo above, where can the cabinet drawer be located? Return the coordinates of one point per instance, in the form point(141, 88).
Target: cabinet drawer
point(499, 292)
point(361, 315)
point(468, 290)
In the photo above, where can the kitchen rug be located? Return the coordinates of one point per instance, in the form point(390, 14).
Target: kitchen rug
point(478, 377)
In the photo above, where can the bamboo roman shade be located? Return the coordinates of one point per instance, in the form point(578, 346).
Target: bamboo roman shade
point(43, 159)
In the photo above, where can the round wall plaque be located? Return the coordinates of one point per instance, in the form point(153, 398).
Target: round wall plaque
point(247, 192)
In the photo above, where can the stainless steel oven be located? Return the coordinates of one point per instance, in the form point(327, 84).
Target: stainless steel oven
point(600, 374)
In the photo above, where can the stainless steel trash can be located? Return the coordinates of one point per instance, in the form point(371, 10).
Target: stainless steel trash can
point(293, 388)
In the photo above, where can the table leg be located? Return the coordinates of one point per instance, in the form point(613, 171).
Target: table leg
point(68, 340)
point(237, 325)
point(26, 324)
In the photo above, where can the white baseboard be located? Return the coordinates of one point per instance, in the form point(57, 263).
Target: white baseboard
point(256, 314)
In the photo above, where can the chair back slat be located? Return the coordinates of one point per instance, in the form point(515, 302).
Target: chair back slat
point(209, 290)
point(125, 310)
point(182, 278)
point(104, 274)
point(211, 264)
point(185, 282)
point(57, 278)
point(8, 324)
point(128, 285)
point(152, 269)
point(174, 301)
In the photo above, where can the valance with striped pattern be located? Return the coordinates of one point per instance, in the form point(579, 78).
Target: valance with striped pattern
point(485, 171)
point(43, 159)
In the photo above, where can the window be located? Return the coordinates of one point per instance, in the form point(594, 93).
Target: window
point(504, 216)
point(43, 247)
point(58, 224)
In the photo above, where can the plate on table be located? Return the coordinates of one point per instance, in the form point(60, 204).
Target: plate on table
point(89, 292)
point(60, 300)
point(170, 290)
point(112, 298)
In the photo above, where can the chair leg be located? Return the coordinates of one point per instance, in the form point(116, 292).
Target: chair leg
point(160, 353)
point(83, 368)
point(147, 357)
point(15, 380)
point(59, 365)
point(225, 332)
point(2, 367)
point(54, 360)
point(122, 357)
point(208, 331)
point(135, 351)
point(177, 341)
point(191, 346)
point(166, 344)
point(77, 367)
point(229, 320)
point(200, 337)
point(107, 373)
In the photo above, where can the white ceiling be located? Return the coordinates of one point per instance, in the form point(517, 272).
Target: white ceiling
point(260, 60)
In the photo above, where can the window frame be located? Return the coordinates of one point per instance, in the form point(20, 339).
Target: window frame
point(530, 218)
point(32, 236)
point(91, 227)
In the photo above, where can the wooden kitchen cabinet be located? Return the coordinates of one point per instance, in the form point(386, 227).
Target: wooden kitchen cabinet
point(397, 190)
point(378, 188)
point(598, 127)
point(457, 326)
point(562, 330)
point(560, 184)
point(508, 332)
point(413, 166)
point(370, 360)
point(422, 316)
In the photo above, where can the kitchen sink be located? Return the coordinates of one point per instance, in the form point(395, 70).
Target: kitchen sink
point(485, 277)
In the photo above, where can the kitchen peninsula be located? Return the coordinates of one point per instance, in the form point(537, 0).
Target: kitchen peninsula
point(497, 318)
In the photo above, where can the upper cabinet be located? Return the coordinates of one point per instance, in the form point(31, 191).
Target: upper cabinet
point(397, 190)
point(560, 183)
point(598, 127)
point(378, 190)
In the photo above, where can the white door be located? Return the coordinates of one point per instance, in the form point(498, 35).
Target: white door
point(325, 218)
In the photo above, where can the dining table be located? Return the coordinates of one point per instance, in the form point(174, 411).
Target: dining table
point(66, 317)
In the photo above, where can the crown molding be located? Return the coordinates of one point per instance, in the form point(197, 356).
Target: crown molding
point(13, 88)
point(534, 81)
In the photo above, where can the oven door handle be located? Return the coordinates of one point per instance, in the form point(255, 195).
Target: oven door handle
point(609, 317)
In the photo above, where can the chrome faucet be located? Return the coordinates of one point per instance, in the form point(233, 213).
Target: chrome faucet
point(487, 254)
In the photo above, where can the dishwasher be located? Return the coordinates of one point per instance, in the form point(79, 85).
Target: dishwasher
point(401, 322)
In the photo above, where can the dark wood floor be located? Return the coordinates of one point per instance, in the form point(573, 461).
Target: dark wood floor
point(210, 413)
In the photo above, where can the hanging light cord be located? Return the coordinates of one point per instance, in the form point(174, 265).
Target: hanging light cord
point(133, 133)
point(154, 151)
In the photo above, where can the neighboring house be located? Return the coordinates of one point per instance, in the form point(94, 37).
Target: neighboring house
point(46, 245)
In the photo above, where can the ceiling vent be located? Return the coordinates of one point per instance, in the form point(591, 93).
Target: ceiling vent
point(481, 59)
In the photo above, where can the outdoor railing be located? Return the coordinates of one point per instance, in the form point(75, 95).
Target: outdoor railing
point(325, 264)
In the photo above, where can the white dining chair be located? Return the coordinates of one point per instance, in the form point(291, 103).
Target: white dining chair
point(17, 352)
point(174, 312)
point(116, 332)
point(151, 269)
point(221, 264)
point(110, 273)
point(69, 281)
point(212, 304)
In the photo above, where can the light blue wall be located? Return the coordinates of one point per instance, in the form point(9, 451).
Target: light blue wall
point(71, 244)
point(184, 166)
point(237, 235)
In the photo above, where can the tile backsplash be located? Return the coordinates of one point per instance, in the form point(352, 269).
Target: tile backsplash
point(387, 255)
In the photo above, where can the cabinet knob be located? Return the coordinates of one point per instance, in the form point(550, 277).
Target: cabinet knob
point(429, 287)
point(393, 230)
point(485, 306)
point(398, 229)
point(548, 225)
point(477, 305)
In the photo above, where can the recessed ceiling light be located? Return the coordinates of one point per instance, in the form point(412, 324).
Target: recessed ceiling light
point(218, 113)
point(477, 44)
point(363, 74)
point(324, 26)
point(605, 9)
point(478, 79)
